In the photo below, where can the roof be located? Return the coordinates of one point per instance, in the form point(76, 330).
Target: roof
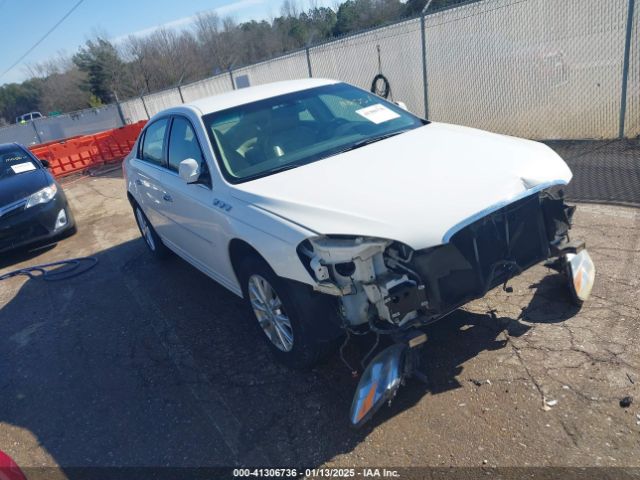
point(253, 94)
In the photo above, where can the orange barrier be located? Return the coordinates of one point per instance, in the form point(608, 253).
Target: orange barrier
point(79, 153)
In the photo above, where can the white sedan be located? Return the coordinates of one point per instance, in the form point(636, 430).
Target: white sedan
point(333, 211)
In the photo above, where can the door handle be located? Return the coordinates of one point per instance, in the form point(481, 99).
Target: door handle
point(167, 198)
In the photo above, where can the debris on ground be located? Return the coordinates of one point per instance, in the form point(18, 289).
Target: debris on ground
point(479, 383)
point(626, 402)
point(548, 403)
point(630, 379)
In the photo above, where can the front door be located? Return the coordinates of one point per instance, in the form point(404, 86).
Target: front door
point(195, 222)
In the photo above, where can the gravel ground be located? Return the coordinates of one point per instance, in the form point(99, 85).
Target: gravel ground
point(146, 363)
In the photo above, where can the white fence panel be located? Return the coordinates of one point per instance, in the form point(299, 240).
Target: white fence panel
point(354, 59)
point(289, 67)
point(206, 88)
point(537, 68)
point(133, 110)
point(156, 102)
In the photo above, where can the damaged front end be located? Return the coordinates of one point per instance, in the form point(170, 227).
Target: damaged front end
point(388, 288)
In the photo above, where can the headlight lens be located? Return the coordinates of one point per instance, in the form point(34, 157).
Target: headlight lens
point(42, 196)
point(582, 274)
point(378, 383)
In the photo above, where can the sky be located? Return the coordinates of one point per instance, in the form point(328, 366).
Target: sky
point(24, 22)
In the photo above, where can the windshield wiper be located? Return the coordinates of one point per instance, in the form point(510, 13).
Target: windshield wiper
point(368, 141)
point(288, 166)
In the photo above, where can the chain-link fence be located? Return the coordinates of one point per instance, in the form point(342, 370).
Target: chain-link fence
point(393, 51)
point(540, 69)
point(536, 68)
point(632, 120)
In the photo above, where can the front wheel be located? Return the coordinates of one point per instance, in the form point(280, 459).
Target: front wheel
point(298, 324)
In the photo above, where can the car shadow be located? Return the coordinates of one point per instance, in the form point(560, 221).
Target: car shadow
point(23, 255)
point(146, 362)
point(551, 301)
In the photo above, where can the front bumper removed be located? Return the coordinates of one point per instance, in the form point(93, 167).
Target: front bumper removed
point(479, 257)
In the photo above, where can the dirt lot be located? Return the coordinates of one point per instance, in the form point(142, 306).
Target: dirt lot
point(139, 362)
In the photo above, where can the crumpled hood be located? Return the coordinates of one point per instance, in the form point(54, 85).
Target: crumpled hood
point(417, 188)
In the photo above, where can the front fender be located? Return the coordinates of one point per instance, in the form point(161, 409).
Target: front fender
point(274, 238)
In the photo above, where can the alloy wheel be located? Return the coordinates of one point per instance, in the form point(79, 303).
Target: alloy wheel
point(270, 313)
point(145, 229)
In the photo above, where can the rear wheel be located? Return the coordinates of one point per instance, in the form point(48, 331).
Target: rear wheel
point(298, 324)
point(149, 235)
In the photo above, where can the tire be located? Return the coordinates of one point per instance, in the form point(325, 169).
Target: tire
point(312, 317)
point(149, 235)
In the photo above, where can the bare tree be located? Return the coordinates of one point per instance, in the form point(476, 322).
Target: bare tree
point(61, 81)
point(290, 9)
point(217, 39)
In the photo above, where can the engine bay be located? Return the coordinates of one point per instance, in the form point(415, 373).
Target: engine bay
point(386, 286)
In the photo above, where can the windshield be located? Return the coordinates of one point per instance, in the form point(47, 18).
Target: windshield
point(14, 161)
point(262, 138)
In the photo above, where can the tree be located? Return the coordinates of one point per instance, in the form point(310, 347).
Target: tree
point(61, 85)
point(414, 7)
point(19, 98)
point(162, 60)
point(259, 41)
point(356, 15)
point(218, 39)
point(321, 22)
point(346, 18)
point(99, 60)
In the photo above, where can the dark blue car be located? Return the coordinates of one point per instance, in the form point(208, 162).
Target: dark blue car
point(33, 207)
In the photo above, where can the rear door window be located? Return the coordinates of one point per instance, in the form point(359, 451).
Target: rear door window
point(153, 142)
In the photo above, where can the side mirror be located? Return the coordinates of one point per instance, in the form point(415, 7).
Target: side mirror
point(189, 170)
point(402, 105)
point(45, 163)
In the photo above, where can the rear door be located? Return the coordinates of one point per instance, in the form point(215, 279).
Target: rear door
point(149, 170)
